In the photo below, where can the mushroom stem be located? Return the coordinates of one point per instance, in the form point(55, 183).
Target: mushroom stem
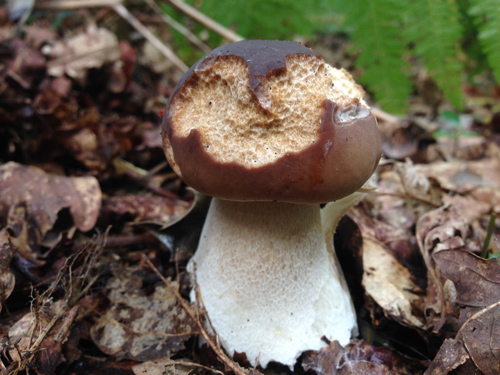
point(270, 280)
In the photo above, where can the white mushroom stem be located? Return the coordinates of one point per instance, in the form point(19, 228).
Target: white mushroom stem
point(270, 280)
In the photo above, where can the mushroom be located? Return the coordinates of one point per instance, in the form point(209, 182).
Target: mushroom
point(271, 131)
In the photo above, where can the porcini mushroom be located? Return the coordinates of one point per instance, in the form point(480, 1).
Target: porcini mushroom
point(270, 131)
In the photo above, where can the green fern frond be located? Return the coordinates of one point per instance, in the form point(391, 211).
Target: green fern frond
point(487, 17)
point(376, 33)
point(268, 19)
point(434, 26)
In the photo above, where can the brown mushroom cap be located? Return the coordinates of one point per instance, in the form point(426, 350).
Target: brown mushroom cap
point(270, 120)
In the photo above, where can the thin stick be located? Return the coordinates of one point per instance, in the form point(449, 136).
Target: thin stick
point(206, 21)
point(177, 26)
point(218, 351)
point(74, 4)
point(169, 54)
point(384, 116)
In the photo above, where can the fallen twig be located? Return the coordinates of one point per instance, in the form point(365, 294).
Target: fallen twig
point(151, 38)
point(74, 4)
point(206, 21)
point(384, 116)
point(177, 26)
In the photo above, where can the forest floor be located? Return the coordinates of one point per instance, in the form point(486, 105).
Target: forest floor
point(96, 230)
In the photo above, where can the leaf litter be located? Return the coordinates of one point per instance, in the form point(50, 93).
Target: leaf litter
point(93, 244)
point(141, 327)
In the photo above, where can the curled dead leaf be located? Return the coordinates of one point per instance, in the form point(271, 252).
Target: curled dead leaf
point(77, 54)
point(394, 234)
point(413, 181)
point(389, 284)
point(441, 229)
point(44, 195)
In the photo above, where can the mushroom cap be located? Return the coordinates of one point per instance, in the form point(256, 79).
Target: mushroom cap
point(270, 121)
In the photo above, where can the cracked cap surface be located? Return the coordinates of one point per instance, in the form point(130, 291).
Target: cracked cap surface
point(270, 120)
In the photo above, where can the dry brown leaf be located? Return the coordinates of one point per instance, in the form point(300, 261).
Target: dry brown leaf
point(476, 280)
point(51, 353)
point(398, 239)
point(468, 368)
point(7, 280)
point(470, 208)
point(364, 368)
point(28, 330)
point(146, 208)
point(77, 54)
point(141, 327)
point(413, 180)
point(389, 284)
point(399, 140)
point(24, 240)
point(403, 194)
point(167, 367)
point(489, 195)
point(451, 355)
point(37, 36)
point(360, 357)
point(20, 63)
point(324, 361)
point(84, 146)
point(480, 178)
point(44, 195)
point(392, 270)
point(481, 337)
point(441, 229)
point(463, 147)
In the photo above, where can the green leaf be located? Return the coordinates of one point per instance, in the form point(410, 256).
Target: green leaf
point(486, 14)
point(377, 26)
point(435, 28)
point(451, 117)
point(266, 19)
